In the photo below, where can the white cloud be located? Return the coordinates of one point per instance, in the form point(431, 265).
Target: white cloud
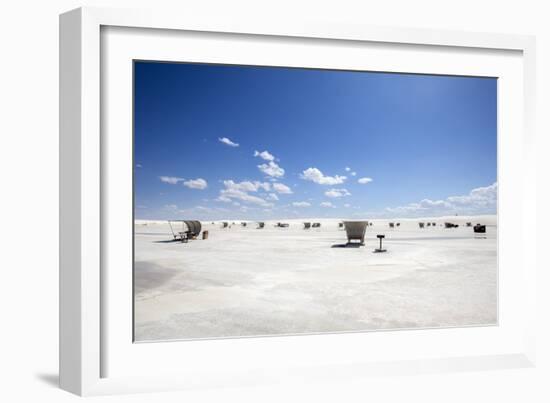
point(243, 186)
point(281, 188)
point(427, 203)
point(425, 206)
point(315, 175)
point(198, 183)
point(263, 185)
point(264, 155)
point(334, 193)
point(301, 204)
point(478, 201)
point(347, 205)
point(247, 186)
point(327, 204)
point(348, 169)
point(272, 169)
point(480, 197)
point(272, 196)
point(353, 173)
point(239, 191)
point(172, 180)
point(364, 181)
point(226, 195)
point(171, 207)
point(228, 142)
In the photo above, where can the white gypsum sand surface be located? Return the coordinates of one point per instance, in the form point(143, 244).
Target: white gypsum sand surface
point(244, 281)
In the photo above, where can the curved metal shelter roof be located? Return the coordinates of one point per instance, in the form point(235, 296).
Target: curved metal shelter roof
point(356, 230)
point(193, 226)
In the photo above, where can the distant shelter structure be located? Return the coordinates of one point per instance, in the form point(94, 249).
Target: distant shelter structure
point(480, 229)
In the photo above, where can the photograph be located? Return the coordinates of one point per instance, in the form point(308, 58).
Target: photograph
point(277, 201)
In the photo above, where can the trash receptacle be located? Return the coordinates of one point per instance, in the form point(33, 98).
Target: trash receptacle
point(204, 234)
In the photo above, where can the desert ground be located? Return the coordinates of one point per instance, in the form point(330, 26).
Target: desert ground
point(244, 281)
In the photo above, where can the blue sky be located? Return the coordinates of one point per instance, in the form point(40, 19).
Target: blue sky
point(236, 142)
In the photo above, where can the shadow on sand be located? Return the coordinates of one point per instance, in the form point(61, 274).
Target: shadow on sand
point(348, 245)
point(148, 276)
point(169, 241)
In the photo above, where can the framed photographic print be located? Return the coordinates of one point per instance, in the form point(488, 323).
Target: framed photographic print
point(293, 178)
point(248, 202)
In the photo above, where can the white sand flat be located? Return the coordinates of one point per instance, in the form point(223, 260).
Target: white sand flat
point(245, 281)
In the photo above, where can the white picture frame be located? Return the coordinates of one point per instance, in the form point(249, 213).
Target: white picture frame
point(88, 338)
